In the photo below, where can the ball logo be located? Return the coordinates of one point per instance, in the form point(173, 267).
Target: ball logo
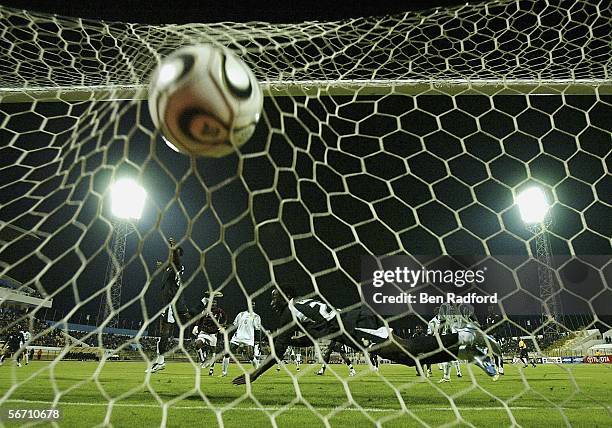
point(200, 126)
point(206, 128)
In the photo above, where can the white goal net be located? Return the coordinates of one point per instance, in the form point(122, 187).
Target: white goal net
point(406, 135)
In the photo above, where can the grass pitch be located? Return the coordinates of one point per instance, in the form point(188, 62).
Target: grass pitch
point(122, 395)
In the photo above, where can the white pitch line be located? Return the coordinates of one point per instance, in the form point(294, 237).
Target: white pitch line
point(293, 408)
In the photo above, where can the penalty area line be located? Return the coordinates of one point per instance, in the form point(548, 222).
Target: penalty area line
point(276, 409)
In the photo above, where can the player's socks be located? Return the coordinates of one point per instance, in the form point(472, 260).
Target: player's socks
point(321, 371)
point(458, 368)
point(225, 365)
point(352, 371)
point(499, 363)
point(201, 356)
point(255, 363)
point(446, 370)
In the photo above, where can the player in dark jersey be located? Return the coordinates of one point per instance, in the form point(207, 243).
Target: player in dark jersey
point(362, 329)
point(419, 331)
point(492, 326)
point(207, 330)
point(338, 347)
point(12, 346)
point(173, 304)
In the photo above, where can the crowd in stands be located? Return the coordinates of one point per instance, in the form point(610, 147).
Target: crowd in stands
point(116, 341)
point(42, 335)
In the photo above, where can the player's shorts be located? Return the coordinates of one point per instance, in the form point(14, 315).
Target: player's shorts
point(168, 315)
point(524, 354)
point(208, 339)
point(238, 343)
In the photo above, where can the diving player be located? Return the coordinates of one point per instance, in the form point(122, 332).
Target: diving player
point(360, 327)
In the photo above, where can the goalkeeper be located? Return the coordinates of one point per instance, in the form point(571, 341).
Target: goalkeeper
point(361, 328)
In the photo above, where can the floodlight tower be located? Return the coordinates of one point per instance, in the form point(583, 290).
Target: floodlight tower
point(127, 202)
point(534, 209)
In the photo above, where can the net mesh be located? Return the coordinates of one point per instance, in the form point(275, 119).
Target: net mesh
point(407, 134)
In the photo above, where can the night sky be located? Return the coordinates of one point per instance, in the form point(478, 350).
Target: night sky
point(324, 181)
point(303, 204)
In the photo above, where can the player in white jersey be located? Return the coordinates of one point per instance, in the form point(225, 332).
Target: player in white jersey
point(296, 357)
point(433, 326)
point(433, 329)
point(246, 323)
point(452, 318)
point(27, 338)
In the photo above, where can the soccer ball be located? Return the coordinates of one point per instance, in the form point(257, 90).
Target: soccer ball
point(204, 100)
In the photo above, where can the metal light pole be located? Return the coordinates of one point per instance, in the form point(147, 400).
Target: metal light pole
point(534, 209)
point(127, 199)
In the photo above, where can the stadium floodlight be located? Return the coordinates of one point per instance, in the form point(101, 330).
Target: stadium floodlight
point(534, 208)
point(127, 199)
point(127, 203)
point(533, 205)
